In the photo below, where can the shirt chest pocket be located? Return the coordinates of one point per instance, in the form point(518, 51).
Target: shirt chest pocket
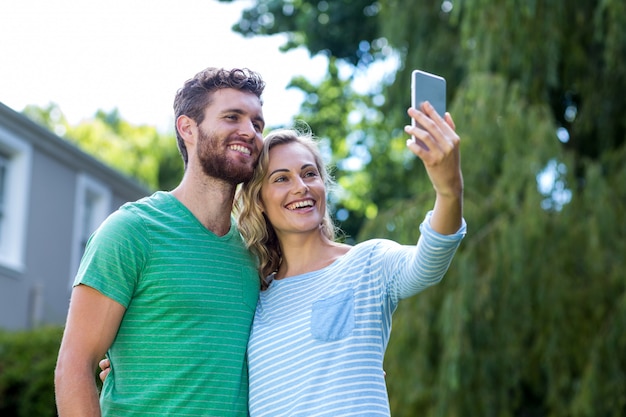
point(332, 318)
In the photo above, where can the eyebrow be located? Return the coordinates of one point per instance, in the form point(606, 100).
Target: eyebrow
point(286, 170)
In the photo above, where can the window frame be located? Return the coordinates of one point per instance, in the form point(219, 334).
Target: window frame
point(18, 155)
point(87, 187)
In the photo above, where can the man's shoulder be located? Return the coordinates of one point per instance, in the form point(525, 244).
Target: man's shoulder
point(149, 207)
point(158, 199)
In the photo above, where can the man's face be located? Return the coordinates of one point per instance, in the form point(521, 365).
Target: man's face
point(231, 136)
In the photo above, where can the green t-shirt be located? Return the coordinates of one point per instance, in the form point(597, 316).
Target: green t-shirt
point(190, 298)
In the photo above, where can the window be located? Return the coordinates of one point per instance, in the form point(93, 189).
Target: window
point(15, 161)
point(93, 205)
point(4, 167)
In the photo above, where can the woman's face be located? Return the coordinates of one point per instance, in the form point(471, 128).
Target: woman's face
point(293, 193)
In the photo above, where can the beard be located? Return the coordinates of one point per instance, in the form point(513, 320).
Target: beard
point(216, 164)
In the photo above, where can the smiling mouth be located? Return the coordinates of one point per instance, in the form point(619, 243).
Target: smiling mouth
point(301, 204)
point(240, 149)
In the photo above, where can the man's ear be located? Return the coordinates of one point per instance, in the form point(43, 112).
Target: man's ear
point(186, 127)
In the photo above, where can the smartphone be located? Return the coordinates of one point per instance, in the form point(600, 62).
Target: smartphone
point(428, 87)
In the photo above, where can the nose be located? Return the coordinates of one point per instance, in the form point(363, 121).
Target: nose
point(300, 187)
point(246, 129)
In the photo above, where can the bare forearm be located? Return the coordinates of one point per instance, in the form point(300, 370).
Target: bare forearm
point(76, 393)
point(447, 214)
point(92, 323)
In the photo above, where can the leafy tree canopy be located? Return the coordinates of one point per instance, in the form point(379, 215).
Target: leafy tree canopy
point(530, 319)
point(343, 29)
point(140, 152)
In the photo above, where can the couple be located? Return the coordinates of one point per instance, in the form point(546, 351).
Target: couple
point(168, 289)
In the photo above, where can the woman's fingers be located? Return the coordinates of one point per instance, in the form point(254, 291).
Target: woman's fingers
point(105, 365)
point(434, 136)
point(437, 145)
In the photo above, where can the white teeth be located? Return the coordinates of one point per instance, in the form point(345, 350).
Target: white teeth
point(240, 148)
point(300, 204)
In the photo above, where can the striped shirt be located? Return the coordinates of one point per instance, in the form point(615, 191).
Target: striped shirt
point(189, 296)
point(319, 338)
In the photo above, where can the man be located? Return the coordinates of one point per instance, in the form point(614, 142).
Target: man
point(167, 280)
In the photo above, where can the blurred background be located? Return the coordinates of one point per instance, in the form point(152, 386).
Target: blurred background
point(530, 320)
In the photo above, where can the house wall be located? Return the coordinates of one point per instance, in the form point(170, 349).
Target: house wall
point(48, 241)
point(38, 294)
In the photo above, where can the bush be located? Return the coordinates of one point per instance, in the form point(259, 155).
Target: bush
point(27, 361)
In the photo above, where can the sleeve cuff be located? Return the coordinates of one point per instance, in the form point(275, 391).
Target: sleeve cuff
point(425, 229)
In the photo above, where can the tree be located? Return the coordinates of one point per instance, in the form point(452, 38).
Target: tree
point(140, 152)
point(338, 28)
point(532, 311)
point(565, 53)
point(531, 318)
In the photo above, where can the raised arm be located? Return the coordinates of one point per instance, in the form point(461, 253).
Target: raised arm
point(92, 323)
point(438, 148)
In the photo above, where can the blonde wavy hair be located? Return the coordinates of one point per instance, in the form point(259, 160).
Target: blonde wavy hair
point(256, 229)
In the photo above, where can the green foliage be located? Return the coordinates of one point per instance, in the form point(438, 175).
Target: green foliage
point(567, 54)
point(340, 28)
point(49, 116)
point(530, 320)
point(140, 152)
point(27, 361)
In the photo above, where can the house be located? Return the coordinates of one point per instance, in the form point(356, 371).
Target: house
point(52, 197)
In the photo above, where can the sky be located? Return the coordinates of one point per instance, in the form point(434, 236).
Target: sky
point(133, 55)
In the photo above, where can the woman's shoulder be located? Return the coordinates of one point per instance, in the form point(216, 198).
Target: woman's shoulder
point(368, 248)
point(371, 244)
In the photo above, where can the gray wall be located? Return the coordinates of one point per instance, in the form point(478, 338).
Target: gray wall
point(40, 293)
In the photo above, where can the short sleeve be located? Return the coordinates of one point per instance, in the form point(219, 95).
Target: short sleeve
point(114, 256)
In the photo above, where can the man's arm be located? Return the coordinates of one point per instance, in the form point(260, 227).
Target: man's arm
point(92, 323)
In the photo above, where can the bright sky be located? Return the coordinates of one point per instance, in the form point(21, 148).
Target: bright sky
point(134, 55)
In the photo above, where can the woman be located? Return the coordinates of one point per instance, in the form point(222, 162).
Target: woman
point(323, 321)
